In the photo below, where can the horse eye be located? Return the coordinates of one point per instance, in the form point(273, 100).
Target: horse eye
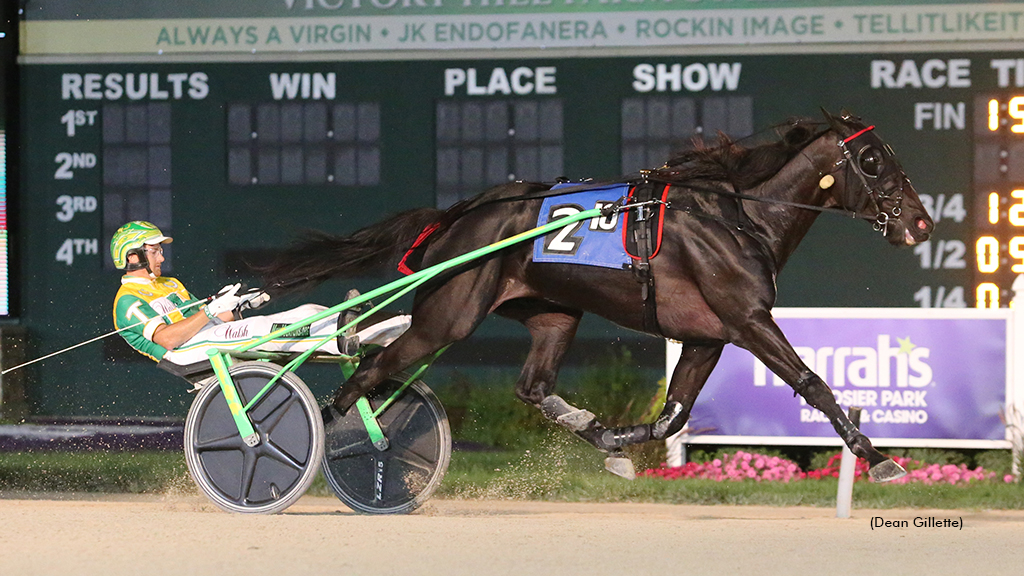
point(871, 161)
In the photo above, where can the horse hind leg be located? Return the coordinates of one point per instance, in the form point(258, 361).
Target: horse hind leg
point(440, 317)
point(584, 424)
point(552, 328)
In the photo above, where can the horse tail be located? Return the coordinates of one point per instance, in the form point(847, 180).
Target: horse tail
point(317, 256)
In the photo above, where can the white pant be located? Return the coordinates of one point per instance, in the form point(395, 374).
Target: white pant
point(239, 332)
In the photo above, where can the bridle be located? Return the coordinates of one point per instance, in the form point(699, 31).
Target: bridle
point(880, 182)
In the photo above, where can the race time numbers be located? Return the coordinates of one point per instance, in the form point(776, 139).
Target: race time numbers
point(998, 196)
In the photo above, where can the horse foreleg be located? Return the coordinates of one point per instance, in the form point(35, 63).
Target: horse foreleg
point(691, 372)
point(764, 339)
point(584, 424)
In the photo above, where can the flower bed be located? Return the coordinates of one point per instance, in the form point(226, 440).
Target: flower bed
point(758, 467)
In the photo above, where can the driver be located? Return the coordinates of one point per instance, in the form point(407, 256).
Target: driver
point(164, 321)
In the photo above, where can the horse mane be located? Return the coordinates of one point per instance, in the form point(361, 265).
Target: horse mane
point(742, 166)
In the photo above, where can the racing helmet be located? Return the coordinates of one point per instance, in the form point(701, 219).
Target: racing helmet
point(132, 238)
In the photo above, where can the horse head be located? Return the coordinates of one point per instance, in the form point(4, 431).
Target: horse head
point(875, 186)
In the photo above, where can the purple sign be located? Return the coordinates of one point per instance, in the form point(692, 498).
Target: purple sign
point(915, 378)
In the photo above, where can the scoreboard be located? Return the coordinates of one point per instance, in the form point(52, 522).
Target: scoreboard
point(998, 189)
point(233, 158)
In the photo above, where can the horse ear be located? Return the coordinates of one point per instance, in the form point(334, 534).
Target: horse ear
point(833, 122)
point(846, 115)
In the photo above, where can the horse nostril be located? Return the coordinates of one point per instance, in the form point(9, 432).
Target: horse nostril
point(922, 224)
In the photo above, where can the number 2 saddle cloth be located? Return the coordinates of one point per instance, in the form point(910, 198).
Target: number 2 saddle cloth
point(603, 242)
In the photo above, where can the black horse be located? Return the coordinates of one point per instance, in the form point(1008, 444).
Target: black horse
point(736, 215)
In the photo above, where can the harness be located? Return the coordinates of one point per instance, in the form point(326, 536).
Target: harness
point(642, 239)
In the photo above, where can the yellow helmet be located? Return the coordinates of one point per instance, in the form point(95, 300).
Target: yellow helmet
point(132, 237)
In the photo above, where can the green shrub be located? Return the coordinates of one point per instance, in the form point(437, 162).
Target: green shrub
point(485, 409)
point(721, 452)
point(489, 413)
point(615, 389)
point(997, 461)
point(931, 455)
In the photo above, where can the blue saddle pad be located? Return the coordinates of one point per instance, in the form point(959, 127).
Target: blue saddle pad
point(593, 242)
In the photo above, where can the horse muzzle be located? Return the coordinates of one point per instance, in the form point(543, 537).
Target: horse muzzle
point(919, 231)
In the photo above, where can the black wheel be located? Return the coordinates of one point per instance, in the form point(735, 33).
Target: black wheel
point(402, 477)
point(268, 477)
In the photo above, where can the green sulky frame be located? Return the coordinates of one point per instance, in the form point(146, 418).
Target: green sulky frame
point(222, 358)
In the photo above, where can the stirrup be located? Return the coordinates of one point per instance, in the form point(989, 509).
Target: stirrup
point(348, 342)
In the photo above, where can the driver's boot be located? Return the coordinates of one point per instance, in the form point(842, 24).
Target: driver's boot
point(348, 342)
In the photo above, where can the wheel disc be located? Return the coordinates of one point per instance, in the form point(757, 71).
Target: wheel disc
point(402, 477)
point(270, 476)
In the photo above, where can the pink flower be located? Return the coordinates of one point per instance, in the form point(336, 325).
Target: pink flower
point(742, 465)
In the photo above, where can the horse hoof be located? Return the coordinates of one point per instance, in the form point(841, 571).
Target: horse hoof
point(565, 414)
point(886, 471)
point(620, 466)
point(576, 421)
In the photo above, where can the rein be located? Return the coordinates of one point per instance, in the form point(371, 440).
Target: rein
point(649, 176)
point(766, 200)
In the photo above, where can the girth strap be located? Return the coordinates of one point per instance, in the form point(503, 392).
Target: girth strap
point(645, 218)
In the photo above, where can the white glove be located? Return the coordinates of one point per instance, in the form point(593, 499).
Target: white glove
point(253, 298)
point(224, 301)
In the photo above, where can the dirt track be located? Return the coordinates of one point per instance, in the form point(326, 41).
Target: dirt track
point(181, 535)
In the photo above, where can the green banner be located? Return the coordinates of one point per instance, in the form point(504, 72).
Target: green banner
point(174, 9)
point(190, 26)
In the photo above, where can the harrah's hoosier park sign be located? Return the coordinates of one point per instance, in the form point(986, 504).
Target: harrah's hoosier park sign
point(922, 378)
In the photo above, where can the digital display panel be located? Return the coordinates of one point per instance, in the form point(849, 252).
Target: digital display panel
point(998, 246)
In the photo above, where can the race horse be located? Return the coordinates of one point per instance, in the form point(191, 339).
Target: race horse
point(734, 216)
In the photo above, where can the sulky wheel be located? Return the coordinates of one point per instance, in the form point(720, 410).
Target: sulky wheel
point(402, 477)
point(266, 478)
